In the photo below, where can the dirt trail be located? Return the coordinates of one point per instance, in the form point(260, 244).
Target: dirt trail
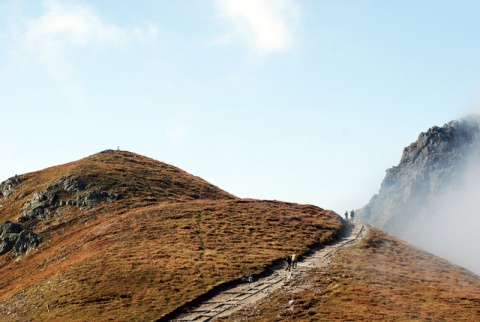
point(238, 297)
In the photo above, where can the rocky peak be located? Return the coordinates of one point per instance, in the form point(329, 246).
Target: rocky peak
point(452, 139)
point(436, 160)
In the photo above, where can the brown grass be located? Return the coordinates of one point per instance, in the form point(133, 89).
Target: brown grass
point(171, 238)
point(381, 279)
point(139, 180)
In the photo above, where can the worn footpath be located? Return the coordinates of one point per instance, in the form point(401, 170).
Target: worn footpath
point(246, 294)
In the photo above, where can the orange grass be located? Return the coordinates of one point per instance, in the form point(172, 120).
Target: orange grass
point(381, 279)
point(147, 254)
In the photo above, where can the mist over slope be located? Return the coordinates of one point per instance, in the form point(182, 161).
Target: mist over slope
point(431, 198)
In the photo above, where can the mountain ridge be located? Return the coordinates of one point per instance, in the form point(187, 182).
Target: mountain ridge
point(127, 236)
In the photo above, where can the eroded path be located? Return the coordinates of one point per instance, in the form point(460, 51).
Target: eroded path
point(238, 297)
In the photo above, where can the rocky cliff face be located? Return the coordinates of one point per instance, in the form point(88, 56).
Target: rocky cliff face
point(429, 168)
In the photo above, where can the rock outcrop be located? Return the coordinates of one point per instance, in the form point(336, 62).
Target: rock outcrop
point(68, 191)
point(65, 191)
point(6, 187)
point(430, 167)
point(33, 204)
point(13, 236)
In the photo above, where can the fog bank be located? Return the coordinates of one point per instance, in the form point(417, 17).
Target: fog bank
point(449, 227)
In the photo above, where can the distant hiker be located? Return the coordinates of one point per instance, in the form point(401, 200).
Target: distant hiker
point(247, 279)
point(346, 215)
point(294, 260)
point(352, 214)
point(289, 263)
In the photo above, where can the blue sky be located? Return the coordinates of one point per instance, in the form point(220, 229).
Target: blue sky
point(301, 101)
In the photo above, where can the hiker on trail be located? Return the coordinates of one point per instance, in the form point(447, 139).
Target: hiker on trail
point(289, 263)
point(352, 214)
point(247, 279)
point(346, 215)
point(294, 260)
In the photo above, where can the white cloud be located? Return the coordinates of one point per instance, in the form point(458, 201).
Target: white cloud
point(74, 25)
point(65, 26)
point(266, 26)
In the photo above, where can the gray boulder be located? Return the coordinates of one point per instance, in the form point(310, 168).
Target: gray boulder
point(9, 227)
point(12, 235)
point(72, 185)
point(6, 187)
point(8, 236)
point(26, 240)
point(35, 207)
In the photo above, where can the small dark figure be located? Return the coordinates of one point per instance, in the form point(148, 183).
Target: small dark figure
point(247, 279)
point(352, 214)
point(346, 215)
point(289, 263)
point(294, 261)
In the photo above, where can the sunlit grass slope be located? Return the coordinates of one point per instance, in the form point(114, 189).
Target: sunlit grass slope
point(380, 279)
point(171, 238)
point(137, 179)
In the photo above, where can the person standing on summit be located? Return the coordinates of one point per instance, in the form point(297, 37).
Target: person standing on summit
point(352, 214)
point(289, 263)
point(346, 215)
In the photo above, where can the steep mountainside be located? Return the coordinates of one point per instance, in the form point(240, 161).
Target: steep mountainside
point(120, 236)
point(430, 168)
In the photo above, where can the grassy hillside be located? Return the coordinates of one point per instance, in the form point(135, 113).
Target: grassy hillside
point(135, 179)
point(380, 279)
point(129, 238)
